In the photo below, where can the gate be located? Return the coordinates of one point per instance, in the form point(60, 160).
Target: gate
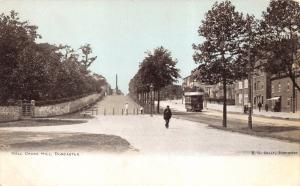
point(27, 108)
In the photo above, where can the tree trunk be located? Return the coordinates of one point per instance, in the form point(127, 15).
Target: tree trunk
point(224, 104)
point(158, 100)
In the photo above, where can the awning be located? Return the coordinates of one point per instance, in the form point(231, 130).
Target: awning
point(274, 98)
point(193, 93)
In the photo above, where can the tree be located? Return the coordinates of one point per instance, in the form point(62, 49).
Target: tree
point(86, 51)
point(219, 56)
point(172, 91)
point(158, 68)
point(40, 71)
point(281, 27)
point(18, 60)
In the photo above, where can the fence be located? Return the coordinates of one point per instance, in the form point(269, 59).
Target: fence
point(119, 111)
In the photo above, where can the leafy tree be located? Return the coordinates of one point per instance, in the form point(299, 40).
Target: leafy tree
point(281, 27)
point(158, 68)
point(172, 91)
point(219, 56)
point(40, 71)
point(17, 57)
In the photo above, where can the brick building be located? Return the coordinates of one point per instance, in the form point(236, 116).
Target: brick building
point(213, 91)
point(261, 88)
point(282, 90)
point(267, 89)
point(241, 92)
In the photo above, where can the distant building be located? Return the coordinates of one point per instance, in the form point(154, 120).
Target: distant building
point(189, 82)
point(261, 88)
point(282, 91)
point(219, 93)
point(212, 91)
point(241, 92)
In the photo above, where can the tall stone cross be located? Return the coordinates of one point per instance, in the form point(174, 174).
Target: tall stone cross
point(116, 83)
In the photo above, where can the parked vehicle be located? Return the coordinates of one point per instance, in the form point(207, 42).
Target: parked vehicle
point(274, 104)
point(194, 101)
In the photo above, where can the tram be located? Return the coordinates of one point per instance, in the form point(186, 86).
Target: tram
point(194, 101)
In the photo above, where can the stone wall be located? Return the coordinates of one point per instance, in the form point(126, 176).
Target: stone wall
point(10, 113)
point(64, 108)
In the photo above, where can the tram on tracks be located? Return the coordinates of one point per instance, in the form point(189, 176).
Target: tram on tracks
point(194, 101)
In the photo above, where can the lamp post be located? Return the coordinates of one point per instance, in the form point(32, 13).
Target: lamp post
point(151, 99)
point(295, 67)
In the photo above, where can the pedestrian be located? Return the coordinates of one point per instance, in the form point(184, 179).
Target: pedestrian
point(167, 116)
point(126, 108)
point(266, 107)
point(259, 106)
point(142, 110)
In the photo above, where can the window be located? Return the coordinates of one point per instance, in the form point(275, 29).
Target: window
point(254, 86)
point(279, 87)
point(262, 99)
point(272, 88)
point(246, 98)
point(257, 85)
point(288, 87)
point(246, 83)
point(240, 98)
point(240, 85)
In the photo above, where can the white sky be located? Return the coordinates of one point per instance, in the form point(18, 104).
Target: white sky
point(121, 31)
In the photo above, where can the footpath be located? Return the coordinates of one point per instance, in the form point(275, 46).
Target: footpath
point(284, 126)
point(233, 109)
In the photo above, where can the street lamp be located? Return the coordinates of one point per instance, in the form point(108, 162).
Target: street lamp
point(151, 99)
point(295, 66)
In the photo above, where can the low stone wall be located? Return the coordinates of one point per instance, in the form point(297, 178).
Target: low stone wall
point(10, 113)
point(65, 108)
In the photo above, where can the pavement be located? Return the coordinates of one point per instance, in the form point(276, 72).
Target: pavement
point(263, 126)
point(179, 105)
point(275, 118)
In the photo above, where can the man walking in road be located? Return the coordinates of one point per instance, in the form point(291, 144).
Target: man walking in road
point(259, 106)
point(167, 116)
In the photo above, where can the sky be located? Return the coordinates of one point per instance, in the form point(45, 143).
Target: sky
point(121, 31)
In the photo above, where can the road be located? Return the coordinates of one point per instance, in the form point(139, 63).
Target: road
point(180, 155)
point(148, 136)
point(114, 104)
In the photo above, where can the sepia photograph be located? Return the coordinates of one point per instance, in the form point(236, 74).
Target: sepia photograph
point(149, 92)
